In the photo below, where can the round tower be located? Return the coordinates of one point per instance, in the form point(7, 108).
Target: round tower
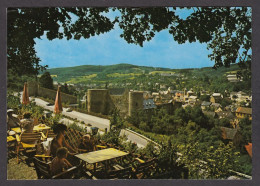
point(136, 99)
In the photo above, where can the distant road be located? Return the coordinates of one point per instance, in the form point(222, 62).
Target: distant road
point(101, 123)
point(140, 140)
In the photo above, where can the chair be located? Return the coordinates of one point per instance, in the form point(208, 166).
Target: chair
point(145, 169)
point(50, 134)
point(27, 142)
point(118, 173)
point(11, 146)
point(43, 171)
point(73, 137)
point(125, 173)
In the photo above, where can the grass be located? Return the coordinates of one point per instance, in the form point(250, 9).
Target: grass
point(119, 75)
point(159, 72)
point(81, 79)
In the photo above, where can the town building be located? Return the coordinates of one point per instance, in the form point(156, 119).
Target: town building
point(233, 78)
point(216, 98)
point(215, 105)
point(229, 134)
point(149, 104)
point(205, 105)
point(225, 114)
point(243, 112)
point(190, 93)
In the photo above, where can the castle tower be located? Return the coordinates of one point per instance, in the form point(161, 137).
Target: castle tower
point(136, 99)
point(98, 101)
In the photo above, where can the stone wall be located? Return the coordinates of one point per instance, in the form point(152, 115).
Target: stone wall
point(32, 89)
point(51, 94)
point(99, 101)
point(121, 103)
point(170, 107)
point(136, 99)
point(35, 90)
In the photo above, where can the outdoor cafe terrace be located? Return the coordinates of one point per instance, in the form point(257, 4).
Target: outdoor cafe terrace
point(29, 156)
point(106, 161)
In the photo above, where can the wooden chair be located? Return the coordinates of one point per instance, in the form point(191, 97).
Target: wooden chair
point(73, 137)
point(27, 142)
point(50, 134)
point(145, 169)
point(118, 173)
point(11, 146)
point(43, 171)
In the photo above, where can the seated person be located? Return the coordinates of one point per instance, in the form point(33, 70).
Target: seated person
point(59, 140)
point(60, 163)
point(42, 119)
point(27, 123)
point(87, 143)
point(12, 122)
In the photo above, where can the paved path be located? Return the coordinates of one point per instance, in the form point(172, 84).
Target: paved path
point(101, 123)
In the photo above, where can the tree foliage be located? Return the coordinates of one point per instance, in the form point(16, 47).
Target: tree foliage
point(27, 24)
point(212, 163)
point(245, 127)
point(226, 30)
point(46, 80)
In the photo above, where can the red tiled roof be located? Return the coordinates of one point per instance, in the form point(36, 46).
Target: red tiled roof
point(249, 149)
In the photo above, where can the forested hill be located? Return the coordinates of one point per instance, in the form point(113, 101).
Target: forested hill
point(87, 72)
point(66, 73)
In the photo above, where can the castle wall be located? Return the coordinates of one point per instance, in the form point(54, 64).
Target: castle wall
point(35, 90)
point(136, 99)
point(121, 103)
point(99, 101)
point(32, 88)
point(51, 94)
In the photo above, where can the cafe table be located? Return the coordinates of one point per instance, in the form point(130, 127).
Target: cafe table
point(99, 156)
point(36, 128)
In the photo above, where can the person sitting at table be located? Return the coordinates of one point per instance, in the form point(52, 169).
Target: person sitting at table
point(87, 143)
point(42, 120)
point(27, 123)
point(60, 163)
point(59, 140)
point(12, 122)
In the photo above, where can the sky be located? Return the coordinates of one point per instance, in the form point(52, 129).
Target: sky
point(109, 49)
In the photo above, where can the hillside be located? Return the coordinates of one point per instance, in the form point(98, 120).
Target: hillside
point(101, 74)
point(85, 72)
